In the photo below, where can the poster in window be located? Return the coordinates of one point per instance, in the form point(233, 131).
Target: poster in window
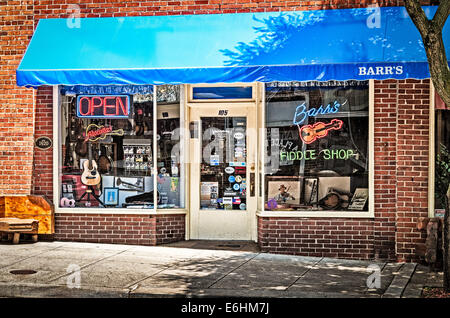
point(111, 196)
point(209, 194)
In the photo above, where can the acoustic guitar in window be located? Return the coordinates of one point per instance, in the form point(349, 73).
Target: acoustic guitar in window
point(310, 133)
point(90, 175)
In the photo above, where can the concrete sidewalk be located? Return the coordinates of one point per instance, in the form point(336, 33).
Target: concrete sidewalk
point(108, 270)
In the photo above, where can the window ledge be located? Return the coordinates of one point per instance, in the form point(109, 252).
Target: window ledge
point(316, 214)
point(118, 211)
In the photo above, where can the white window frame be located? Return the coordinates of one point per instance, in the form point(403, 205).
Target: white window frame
point(324, 213)
point(57, 155)
point(190, 97)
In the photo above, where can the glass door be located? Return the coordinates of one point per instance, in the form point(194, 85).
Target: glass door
point(223, 199)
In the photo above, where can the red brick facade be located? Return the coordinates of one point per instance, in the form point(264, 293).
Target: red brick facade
point(400, 147)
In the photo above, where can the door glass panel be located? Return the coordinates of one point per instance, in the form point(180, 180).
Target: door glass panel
point(223, 184)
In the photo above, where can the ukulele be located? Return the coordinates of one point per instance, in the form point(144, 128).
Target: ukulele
point(310, 133)
point(90, 175)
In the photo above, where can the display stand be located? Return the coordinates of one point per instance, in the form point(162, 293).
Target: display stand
point(90, 191)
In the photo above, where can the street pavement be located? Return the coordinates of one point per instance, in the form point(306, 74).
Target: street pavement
point(68, 269)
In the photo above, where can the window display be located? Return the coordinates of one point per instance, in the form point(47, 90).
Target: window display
point(317, 137)
point(108, 150)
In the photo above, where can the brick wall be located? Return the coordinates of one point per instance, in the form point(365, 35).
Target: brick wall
point(331, 237)
point(120, 229)
point(107, 8)
point(170, 228)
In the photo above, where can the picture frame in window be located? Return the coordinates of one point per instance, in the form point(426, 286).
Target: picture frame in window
point(286, 193)
point(111, 196)
point(311, 191)
point(359, 199)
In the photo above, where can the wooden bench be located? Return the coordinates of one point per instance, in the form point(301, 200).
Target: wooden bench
point(14, 227)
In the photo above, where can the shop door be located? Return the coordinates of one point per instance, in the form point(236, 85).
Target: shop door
point(222, 175)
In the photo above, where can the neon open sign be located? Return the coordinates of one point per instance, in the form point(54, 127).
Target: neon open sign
point(103, 106)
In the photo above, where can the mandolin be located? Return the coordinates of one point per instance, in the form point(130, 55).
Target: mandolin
point(310, 133)
point(90, 175)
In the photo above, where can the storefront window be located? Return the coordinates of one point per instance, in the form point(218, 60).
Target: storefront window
point(317, 137)
point(170, 181)
point(107, 149)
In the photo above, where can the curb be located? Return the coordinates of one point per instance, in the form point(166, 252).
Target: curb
point(59, 291)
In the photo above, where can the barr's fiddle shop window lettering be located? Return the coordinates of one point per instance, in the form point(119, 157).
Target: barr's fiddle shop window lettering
point(107, 149)
point(317, 137)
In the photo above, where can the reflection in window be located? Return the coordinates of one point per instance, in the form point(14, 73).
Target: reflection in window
point(317, 142)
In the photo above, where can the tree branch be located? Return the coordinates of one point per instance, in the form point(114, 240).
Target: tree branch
point(441, 14)
point(418, 16)
point(431, 32)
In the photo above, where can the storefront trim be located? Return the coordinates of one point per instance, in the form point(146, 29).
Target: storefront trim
point(431, 152)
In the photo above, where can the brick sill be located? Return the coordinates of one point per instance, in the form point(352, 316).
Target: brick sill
point(315, 214)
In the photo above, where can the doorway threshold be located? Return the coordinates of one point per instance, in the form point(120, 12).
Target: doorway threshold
point(241, 246)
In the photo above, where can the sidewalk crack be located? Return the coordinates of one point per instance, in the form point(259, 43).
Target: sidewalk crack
point(303, 275)
point(89, 264)
point(236, 268)
point(28, 257)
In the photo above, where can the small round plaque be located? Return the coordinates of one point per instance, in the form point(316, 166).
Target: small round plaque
point(43, 143)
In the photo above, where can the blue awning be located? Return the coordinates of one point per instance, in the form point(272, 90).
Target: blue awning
point(344, 44)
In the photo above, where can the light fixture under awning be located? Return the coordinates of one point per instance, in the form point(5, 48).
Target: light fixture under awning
point(344, 44)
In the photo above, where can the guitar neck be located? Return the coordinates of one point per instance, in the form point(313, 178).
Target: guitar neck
point(90, 157)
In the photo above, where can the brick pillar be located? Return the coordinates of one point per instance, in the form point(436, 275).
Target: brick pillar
point(412, 164)
point(43, 159)
point(16, 104)
point(385, 166)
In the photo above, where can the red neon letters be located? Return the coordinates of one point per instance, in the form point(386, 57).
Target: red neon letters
point(103, 106)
